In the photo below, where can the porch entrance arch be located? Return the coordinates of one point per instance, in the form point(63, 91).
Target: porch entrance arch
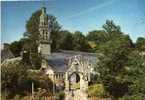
point(77, 75)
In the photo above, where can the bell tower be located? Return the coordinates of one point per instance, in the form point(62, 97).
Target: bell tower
point(44, 47)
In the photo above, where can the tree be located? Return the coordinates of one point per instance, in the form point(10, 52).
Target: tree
point(80, 42)
point(66, 41)
point(55, 31)
point(13, 74)
point(98, 36)
point(17, 79)
point(112, 65)
point(110, 27)
point(135, 76)
point(140, 44)
point(17, 46)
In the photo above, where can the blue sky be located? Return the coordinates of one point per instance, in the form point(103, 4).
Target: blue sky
point(82, 15)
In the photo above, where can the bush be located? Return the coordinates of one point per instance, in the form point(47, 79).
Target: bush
point(96, 90)
point(17, 97)
point(133, 97)
point(61, 95)
point(42, 94)
point(17, 79)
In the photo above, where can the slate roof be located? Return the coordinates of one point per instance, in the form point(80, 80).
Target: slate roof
point(58, 60)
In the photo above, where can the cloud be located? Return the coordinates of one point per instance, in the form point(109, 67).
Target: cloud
point(109, 2)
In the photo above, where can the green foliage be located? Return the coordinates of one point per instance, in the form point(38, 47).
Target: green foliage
point(66, 41)
point(110, 27)
point(133, 97)
point(35, 59)
point(17, 97)
point(13, 76)
point(122, 68)
point(41, 94)
point(17, 79)
point(96, 90)
point(32, 25)
point(40, 80)
point(112, 67)
point(135, 76)
point(17, 46)
point(140, 44)
point(61, 95)
point(69, 41)
point(98, 36)
point(117, 44)
point(75, 85)
point(80, 42)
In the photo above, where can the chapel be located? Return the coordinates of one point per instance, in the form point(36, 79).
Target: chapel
point(63, 66)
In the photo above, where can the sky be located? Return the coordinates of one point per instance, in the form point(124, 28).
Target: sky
point(75, 15)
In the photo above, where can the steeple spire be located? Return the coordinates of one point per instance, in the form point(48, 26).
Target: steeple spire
point(44, 34)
